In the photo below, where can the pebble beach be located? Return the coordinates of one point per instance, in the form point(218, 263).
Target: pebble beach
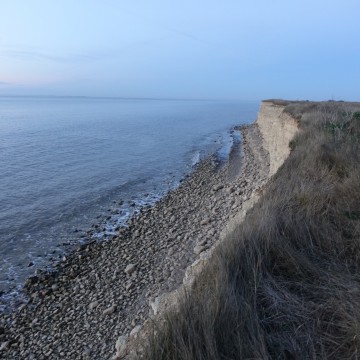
point(104, 290)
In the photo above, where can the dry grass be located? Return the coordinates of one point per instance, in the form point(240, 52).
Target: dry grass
point(286, 283)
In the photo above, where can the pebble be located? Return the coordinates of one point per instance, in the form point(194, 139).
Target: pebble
point(129, 286)
point(87, 351)
point(93, 305)
point(202, 242)
point(130, 269)
point(199, 249)
point(120, 346)
point(4, 345)
point(135, 330)
point(206, 221)
point(155, 305)
point(110, 310)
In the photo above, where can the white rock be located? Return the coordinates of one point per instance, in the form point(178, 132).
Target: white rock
point(120, 346)
point(155, 305)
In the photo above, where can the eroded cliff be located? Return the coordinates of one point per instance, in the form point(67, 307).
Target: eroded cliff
point(277, 129)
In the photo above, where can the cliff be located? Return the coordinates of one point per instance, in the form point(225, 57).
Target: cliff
point(271, 134)
point(277, 128)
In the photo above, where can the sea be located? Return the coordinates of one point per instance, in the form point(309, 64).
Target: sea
point(74, 168)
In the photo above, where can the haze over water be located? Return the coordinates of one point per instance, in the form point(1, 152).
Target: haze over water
point(67, 163)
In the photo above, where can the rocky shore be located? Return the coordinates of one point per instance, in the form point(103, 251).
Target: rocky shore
point(103, 291)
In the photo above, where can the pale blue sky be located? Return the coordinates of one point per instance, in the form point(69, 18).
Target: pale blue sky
point(181, 49)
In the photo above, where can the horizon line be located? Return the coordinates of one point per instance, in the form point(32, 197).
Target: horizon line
point(117, 97)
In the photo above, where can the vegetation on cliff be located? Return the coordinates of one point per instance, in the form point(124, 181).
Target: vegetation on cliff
point(286, 283)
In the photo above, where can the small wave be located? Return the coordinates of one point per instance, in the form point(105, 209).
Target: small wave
point(227, 142)
point(195, 158)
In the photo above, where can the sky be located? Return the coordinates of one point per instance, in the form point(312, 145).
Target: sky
point(203, 49)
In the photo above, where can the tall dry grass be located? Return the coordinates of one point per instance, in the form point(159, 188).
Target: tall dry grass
point(286, 283)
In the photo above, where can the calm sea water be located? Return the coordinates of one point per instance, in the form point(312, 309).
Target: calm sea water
point(68, 163)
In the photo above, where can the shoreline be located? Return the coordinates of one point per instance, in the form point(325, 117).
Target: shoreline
point(103, 290)
point(102, 223)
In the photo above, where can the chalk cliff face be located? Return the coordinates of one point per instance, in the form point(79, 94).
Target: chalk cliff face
point(277, 129)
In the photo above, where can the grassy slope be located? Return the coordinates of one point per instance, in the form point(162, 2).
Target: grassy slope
point(286, 284)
